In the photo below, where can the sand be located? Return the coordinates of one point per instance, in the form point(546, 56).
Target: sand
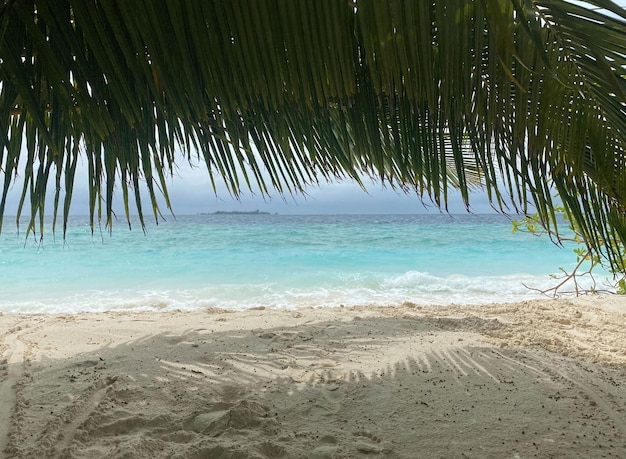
point(535, 379)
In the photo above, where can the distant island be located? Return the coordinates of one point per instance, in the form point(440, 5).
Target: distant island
point(236, 212)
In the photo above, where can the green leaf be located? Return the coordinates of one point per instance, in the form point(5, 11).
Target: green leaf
point(522, 99)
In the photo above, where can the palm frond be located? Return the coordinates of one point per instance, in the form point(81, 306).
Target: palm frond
point(523, 98)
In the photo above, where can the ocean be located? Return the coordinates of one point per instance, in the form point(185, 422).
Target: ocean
point(283, 261)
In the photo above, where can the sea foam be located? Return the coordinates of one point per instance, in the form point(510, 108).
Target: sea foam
point(243, 261)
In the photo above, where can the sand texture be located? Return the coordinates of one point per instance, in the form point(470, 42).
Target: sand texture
point(538, 379)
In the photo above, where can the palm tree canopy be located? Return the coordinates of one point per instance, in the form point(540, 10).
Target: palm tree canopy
point(523, 98)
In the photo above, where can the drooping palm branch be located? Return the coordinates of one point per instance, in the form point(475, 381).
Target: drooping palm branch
point(524, 97)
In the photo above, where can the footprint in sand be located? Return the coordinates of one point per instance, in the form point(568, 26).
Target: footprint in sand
point(326, 449)
point(12, 367)
point(222, 416)
point(368, 443)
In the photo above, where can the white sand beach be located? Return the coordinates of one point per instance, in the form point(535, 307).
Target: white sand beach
point(536, 379)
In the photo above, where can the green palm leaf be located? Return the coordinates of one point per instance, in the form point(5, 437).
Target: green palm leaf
point(522, 98)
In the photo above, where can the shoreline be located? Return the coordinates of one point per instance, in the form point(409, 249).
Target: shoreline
point(538, 377)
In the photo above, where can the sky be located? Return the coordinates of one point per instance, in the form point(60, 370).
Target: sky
point(191, 192)
point(194, 194)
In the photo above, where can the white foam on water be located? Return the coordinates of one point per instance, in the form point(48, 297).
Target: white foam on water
point(281, 262)
point(367, 289)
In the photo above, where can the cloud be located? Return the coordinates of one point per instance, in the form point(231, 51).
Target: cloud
point(191, 192)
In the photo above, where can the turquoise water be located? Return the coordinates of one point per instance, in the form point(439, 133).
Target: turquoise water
point(240, 261)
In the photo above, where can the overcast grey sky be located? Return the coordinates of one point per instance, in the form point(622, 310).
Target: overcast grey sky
point(191, 192)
